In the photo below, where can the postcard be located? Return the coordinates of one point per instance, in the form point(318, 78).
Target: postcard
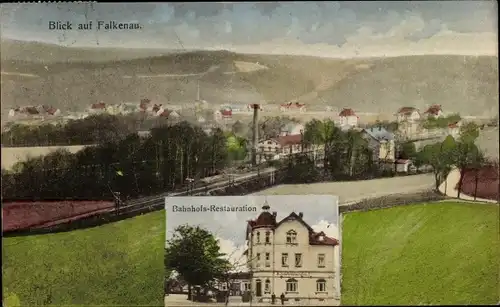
point(252, 250)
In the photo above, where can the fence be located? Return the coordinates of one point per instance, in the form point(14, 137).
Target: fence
point(136, 208)
point(393, 201)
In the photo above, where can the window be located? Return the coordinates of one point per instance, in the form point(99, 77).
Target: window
point(321, 260)
point(268, 237)
point(284, 260)
point(291, 237)
point(246, 286)
point(291, 285)
point(257, 260)
point(268, 258)
point(321, 285)
point(269, 148)
point(298, 260)
point(267, 286)
point(258, 237)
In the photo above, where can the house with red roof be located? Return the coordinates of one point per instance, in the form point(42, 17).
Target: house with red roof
point(282, 146)
point(408, 114)
point(434, 111)
point(288, 256)
point(348, 118)
point(97, 107)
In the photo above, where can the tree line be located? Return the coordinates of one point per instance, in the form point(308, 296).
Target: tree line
point(94, 129)
point(132, 166)
point(193, 255)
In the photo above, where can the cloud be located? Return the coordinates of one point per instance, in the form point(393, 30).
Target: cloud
point(234, 253)
point(340, 28)
point(331, 230)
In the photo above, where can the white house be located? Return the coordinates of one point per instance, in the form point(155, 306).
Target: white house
point(293, 106)
point(97, 108)
point(281, 146)
point(434, 111)
point(454, 129)
point(404, 165)
point(381, 142)
point(289, 257)
point(408, 114)
point(348, 118)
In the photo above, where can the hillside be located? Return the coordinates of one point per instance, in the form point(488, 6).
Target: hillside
point(468, 85)
point(72, 78)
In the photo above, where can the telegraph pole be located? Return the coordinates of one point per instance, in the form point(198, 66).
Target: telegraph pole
point(255, 134)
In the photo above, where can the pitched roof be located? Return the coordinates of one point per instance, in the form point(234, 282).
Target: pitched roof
point(379, 133)
point(434, 109)
point(226, 112)
point(268, 219)
point(100, 105)
point(406, 110)
point(293, 139)
point(347, 112)
point(293, 105)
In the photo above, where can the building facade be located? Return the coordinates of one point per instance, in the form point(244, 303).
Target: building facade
point(348, 118)
point(288, 257)
point(382, 144)
point(408, 114)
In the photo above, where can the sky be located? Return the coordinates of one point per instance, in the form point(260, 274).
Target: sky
point(320, 212)
point(329, 29)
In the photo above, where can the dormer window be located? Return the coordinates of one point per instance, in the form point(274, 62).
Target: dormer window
point(291, 237)
point(321, 238)
point(268, 237)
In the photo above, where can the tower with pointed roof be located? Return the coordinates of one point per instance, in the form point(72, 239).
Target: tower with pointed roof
point(289, 257)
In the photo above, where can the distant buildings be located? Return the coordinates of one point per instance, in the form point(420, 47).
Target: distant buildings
point(408, 114)
point(382, 144)
point(454, 129)
point(293, 107)
point(434, 111)
point(348, 119)
point(34, 111)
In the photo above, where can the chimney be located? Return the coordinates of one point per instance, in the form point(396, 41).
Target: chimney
point(301, 215)
point(255, 135)
point(275, 214)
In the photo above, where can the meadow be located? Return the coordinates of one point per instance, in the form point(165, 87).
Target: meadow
point(434, 254)
point(115, 264)
point(443, 253)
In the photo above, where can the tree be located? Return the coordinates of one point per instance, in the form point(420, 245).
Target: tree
point(407, 151)
point(195, 254)
point(465, 156)
point(322, 133)
point(469, 132)
point(238, 128)
point(438, 156)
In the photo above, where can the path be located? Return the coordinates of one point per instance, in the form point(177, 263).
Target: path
point(449, 188)
point(353, 191)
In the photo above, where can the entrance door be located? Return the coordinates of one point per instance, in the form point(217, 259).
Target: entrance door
point(258, 286)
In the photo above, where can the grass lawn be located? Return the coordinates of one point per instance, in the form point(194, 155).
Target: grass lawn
point(115, 264)
point(436, 253)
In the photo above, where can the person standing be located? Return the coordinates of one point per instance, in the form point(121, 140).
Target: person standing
point(273, 298)
point(282, 298)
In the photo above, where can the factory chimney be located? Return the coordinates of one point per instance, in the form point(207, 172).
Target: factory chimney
point(255, 133)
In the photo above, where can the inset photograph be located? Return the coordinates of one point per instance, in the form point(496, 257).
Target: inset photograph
point(252, 251)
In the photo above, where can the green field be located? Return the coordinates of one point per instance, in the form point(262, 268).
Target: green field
point(114, 264)
point(439, 254)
